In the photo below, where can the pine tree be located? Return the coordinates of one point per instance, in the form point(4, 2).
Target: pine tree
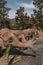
point(21, 19)
point(38, 12)
point(4, 21)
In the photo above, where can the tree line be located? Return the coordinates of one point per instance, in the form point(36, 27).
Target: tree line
point(22, 20)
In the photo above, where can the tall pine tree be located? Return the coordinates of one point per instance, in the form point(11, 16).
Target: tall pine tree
point(4, 21)
point(38, 13)
point(22, 19)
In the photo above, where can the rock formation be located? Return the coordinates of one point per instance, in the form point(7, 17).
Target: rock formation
point(16, 38)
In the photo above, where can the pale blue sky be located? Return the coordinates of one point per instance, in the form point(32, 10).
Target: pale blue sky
point(15, 4)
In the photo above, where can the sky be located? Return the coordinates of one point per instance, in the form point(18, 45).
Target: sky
point(16, 4)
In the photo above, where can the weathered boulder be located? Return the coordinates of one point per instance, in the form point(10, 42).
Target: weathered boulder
point(15, 38)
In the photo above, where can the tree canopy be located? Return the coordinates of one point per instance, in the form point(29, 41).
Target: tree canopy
point(4, 20)
point(22, 19)
point(38, 13)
